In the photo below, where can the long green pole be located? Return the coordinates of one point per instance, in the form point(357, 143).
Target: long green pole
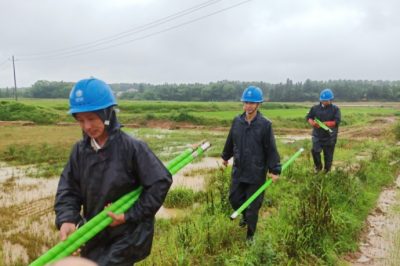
point(83, 232)
point(96, 229)
point(200, 150)
point(179, 158)
point(102, 220)
point(323, 125)
point(171, 164)
point(264, 186)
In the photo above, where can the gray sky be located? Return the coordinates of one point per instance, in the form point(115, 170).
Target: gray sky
point(177, 41)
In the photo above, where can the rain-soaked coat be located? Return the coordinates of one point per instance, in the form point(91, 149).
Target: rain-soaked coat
point(325, 113)
point(253, 149)
point(94, 179)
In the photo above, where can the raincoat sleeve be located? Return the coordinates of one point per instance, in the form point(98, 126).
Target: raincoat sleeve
point(310, 114)
point(155, 180)
point(338, 116)
point(272, 158)
point(68, 200)
point(227, 153)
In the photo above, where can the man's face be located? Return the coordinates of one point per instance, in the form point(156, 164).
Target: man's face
point(250, 108)
point(326, 103)
point(91, 124)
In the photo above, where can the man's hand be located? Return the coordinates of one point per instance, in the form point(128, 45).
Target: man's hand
point(313, 123)
point(225, 163)
point(274, 177)
point(117, 219)
point(66, 229)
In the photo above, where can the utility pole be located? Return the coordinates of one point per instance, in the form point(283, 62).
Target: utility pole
point(15, 81)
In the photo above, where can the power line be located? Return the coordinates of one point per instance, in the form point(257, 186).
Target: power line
point(71, 54)
point(121, 35)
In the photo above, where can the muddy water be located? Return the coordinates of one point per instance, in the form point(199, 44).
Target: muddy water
point(17, 188)
point(168, 213)
point(188, 176)
point(293, 138)
point(24, 190)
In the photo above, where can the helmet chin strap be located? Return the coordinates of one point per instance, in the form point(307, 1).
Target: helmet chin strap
point(107, 121)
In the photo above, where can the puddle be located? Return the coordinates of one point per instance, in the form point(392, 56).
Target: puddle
point(292, 138)
point(17, 188)
point(188, 177)
point(168, 213)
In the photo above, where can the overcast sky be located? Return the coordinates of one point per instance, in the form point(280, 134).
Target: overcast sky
point(186, 41)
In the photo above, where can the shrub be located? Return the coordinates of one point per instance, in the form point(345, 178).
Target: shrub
point(179, 198)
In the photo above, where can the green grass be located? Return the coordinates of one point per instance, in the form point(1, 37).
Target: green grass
point(209, 114)
point(307, 219)
point(180, 198)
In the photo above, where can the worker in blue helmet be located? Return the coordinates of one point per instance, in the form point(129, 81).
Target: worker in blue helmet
point(324, 140)
point(105, 165)
point(251, 143)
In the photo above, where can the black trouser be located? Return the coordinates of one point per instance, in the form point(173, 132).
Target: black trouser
point(239, 193)
point(328, 150)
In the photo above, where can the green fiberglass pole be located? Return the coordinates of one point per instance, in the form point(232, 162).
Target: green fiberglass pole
point(200, 150)
point(96, 229)
point(83, 232)
point(264, 186)
point(179, 158)
point(183, 155)
point(102, 220)
point(322, 125)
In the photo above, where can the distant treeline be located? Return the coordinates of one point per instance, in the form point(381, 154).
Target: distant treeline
point(344, 90)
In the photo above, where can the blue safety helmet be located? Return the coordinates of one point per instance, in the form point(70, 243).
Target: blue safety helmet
point(90, 95)
point(252, 94)
point(326, 95)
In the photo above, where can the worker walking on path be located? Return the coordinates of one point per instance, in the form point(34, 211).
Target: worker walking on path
point(251, 143)
point(103, 166)
point(324, 139)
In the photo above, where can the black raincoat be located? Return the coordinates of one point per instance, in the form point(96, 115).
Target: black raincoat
point(94, 179)
point(253, 149)
point(328, 113)
point(322, 140)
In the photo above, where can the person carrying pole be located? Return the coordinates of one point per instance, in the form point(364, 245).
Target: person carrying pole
point(105, 165)
point(251, 143)
point(323, 115)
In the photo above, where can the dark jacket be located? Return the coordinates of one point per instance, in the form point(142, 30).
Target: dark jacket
point(253, 149)
point(328, 113)
point(94, 179)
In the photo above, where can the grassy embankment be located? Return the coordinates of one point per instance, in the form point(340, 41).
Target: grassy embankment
point(198, 113)
point(306, 218)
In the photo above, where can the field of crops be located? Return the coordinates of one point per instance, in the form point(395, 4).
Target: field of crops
point(306, 219)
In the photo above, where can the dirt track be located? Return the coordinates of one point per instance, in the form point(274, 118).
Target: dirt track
point(378, 243)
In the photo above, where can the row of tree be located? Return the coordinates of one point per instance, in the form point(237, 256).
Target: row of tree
point(344, 90)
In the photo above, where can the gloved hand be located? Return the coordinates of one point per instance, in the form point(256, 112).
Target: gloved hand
point(330, 123)
point(313, 123)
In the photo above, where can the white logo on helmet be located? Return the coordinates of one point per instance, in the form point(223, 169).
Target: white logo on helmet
point(78, 96)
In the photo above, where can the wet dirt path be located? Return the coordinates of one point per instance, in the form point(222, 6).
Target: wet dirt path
point(379, 245)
